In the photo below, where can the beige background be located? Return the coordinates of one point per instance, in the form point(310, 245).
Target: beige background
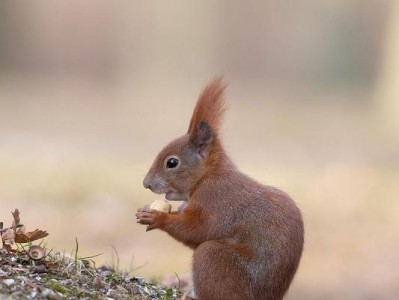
point(90, 91)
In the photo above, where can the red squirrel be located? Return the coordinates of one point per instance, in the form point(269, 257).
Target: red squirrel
point(247, 237)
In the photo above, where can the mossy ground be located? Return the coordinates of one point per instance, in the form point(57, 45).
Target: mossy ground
point(59, 276)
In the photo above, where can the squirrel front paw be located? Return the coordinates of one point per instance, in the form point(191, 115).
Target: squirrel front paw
point(150, 217)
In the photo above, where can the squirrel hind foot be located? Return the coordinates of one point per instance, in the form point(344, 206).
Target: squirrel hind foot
point(189, 296)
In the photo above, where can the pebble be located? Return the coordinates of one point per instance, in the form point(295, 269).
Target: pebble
point(9, 281)
point(47, 292)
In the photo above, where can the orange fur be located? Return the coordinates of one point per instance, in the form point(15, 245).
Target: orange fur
point(247, 237)
point(210, 106)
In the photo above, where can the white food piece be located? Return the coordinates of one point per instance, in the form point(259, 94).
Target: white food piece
point(161, 205)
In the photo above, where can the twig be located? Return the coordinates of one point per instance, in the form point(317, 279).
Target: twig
point(17, 221)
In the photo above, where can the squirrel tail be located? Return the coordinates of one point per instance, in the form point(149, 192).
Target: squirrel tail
point(210, 106)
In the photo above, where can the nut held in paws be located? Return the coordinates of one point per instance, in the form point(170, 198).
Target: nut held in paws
point(161, 205)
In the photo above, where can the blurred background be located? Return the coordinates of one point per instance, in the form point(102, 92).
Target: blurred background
point(90, 91)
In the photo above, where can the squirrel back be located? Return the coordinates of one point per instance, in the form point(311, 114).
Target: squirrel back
point(247, 237)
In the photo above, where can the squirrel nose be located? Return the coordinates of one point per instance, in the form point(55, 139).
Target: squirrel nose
point(146, 183)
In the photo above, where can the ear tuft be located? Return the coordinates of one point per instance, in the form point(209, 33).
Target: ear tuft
point(202, 136)
point(210, 108)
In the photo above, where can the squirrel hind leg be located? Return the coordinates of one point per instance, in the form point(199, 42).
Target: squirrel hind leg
point(218, 273)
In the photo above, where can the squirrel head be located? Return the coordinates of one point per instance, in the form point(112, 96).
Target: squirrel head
point(180, 166)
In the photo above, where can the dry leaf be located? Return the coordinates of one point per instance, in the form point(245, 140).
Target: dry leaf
point(17, 220)
point(8, 237)
point(8, 247)
point(21, 229)
point(30, 236)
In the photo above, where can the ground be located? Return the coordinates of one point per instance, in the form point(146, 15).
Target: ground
point(61, 276)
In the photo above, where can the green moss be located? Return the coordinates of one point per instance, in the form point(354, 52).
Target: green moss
point(57, 287)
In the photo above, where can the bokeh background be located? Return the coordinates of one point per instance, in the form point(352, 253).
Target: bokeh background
point(90, 91)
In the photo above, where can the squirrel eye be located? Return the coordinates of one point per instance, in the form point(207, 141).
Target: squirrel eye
point(172, 163)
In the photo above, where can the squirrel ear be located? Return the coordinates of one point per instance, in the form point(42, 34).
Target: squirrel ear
point(201, 136)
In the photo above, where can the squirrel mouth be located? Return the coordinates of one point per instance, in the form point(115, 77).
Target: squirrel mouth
point(168, 195)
